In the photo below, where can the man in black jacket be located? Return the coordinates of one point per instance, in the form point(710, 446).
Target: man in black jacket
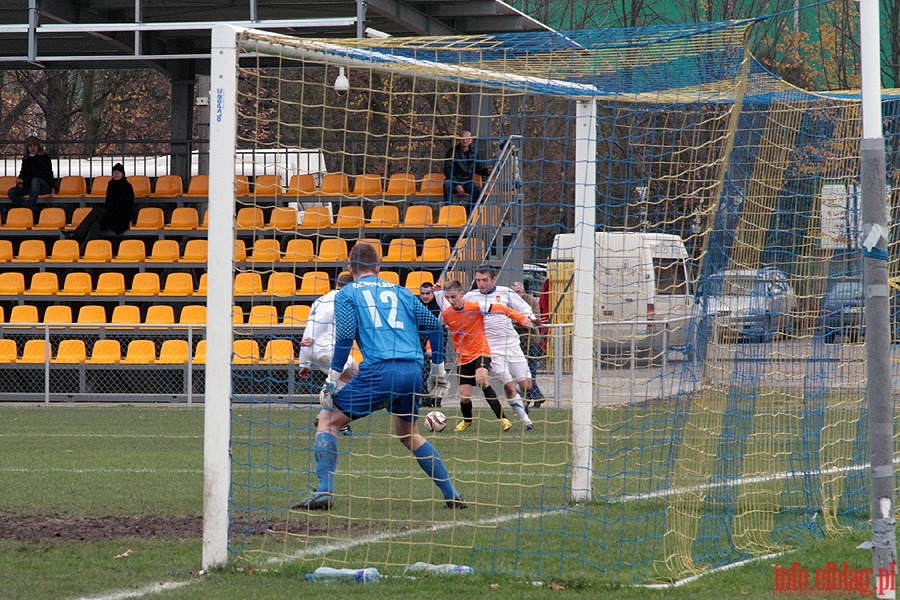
point(460, 168)
point(35, 176)
point(116, 212)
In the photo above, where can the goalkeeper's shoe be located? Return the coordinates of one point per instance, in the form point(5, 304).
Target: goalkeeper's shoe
point(463, 425)
point(345, 430)
point(505, 425)
point(529, 426)
point(457, 503)
point(316, 501)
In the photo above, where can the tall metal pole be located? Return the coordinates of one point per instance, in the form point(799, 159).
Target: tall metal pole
point(875, 265)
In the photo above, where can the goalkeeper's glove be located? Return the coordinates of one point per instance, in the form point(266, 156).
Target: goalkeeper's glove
point(332, 386)
point(438, 384)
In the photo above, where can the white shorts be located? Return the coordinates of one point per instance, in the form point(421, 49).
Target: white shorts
point(321, 361)
point(510, 368)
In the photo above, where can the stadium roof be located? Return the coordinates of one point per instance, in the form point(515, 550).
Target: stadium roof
point(114, 33)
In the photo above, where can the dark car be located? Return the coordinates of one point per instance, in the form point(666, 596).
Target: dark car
point(842, 312)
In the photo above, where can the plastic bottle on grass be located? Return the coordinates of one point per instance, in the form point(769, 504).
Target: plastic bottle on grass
point(369, 575)
point(446, 569)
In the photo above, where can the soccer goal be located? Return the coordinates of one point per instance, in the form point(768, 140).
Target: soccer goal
point(699, 404)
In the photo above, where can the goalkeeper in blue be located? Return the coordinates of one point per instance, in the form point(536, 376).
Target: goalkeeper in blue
point(385, 320)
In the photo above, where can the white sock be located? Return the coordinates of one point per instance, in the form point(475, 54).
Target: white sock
point(516, 404)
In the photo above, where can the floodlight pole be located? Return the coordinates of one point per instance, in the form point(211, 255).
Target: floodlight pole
point(875, 271)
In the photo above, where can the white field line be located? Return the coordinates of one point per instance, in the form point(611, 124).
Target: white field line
point(153, 588)
point(692, 578)
point(398, 472)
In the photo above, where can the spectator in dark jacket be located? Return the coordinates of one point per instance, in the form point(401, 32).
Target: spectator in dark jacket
point(460, 168)
point(35, 177)
point(116, 212)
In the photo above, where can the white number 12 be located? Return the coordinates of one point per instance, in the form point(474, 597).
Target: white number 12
point(388, 297)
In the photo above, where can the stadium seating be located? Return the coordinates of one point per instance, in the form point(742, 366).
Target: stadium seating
point(70, 352)
point(35, 352)
point(91, 314)
point(78, 216)
point(198, 186)
point(131, 251)
point(245, 352)
point(314, 283)
point(192, 314)
point(248, 284)
point(12, 283)
point(250, 217)
point(71, 186)
point(98, 186)
point(263, 314)
point(283, 218)
point(418, 215)
point(265, 250)
point(332, 250)
point(281, 284)
point(432, 185)
point(335, 184)
point(105, 352)
point(374, 242)
point(164, 251)
point(126, 314)
point(200, 353)
point(149, 218)
point(173, 352)
point(18, 219)
point(159, 314)
point(64, 251)
point(299, 250)
point(6, 182)
point(23, 313)
point(384, 215)
point(110, 283)
point(415, 280)
point(316, 217)
point(97, 251)
point(451, 215)
point(240, 251)
point(202, 285)
point(237, 315)
point(76, 283)
point(43, 284)
point(401, 184)
point(204, 224)
point(268, 185)
point(51, 218)
point(140, 352)
point(241, 185)
point(435, 250)
point(401, 250)
point(183, 218)
point(391, 276)
point(367, 185)
point(302, 185)
point(296, 315)
point(31, 251)
point(178, 284)
point(278, 352)
point(58, 314)
point(143, 284)
point(6, 251)
point(195, 251)
point(350, 217)
point(140, 184)
point(9, 352)
point(168, 186)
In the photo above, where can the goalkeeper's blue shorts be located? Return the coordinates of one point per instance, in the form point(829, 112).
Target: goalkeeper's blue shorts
point(391, 384)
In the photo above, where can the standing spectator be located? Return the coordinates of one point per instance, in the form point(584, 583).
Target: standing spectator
point(35, 176)
point(116, 212)
point(460, 168)
point(426, 295)
point(531, 342)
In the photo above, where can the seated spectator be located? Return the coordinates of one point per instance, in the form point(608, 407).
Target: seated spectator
point(460, 168)
point(115, 214)
point(35, 177)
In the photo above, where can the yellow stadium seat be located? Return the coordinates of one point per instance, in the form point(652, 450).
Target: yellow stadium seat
point(12, 283)
point(265, 251)
point(143, 284)
point(77, 283)
point(184, 218)
point(64, 251)
point(178, 284)
point(31, 251)
point(281, 284)
point(384, 215)
point(141, 185)
point(78, 216)
point(418, 215)
point(8, 352)
point(43, 284)
point(350, 217)
point(237, 315)
point(6, 251)
point(296, 315)
point(202, 284)
point(51, 218)
point(246, 352)
point(23, 313)
point(159, 314)
point(374, 242)
point(105, 352)
point(35, 352)
point(6, 182)
point(168, 186)
point(299, 250)
point(240, 251)
point(241, 185)
point(58, 314)
point(192, 314)
point(263, 314)
point(268, 185)
point(91, 314)
point(19, 219)
point(126, 314)
point(198, 186)
point(302, 185)
point(250, 217)
point(401, 250)
point(401, 184)
point(436, 250)
point(150, 218)
point(415, 280)
point(451, 215)
point(140, 352)
point(164, 251)
point(173, 352)
point(368, 185)
point(195, 251)
point(332, 250)
point(110, 283)
point(97, 251)
point(98, 186)
point(314, 283)
point(70, 352)
point(391, 276)
point(204, 224)
point(200, 353)
point(432, 185)
point(278, 352)
point(283, 218)
point(247, 284)
point(71, 186)
point(131, 251)
point(316, 217)
point(335, 184)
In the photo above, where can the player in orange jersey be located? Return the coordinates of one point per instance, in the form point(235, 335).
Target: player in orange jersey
point(465, 320)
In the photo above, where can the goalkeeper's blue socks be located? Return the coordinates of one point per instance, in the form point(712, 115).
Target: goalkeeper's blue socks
point(326, 453)
point(431, 463)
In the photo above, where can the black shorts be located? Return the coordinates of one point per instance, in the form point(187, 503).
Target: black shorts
point(467, 371)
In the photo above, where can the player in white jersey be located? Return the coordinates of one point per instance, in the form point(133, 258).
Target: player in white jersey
point(508, 362)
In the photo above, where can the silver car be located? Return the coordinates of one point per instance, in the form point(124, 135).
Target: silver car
point(747, 303)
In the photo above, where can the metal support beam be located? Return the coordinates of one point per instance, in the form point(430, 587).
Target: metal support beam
point(34, 15)
point(466, 9)
point(414, 20)
point(361, 8)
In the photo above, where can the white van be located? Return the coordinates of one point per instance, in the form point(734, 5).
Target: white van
point(643, 286)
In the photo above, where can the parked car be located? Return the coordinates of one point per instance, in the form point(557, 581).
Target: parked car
point(842, 312)
point(746, 303)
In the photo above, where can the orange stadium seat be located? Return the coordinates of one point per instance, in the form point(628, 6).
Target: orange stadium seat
point(18, 219)
point(23, 314)
point(149, 218)
point(265, 250)
point(43, 284)
point(184, 217)
point(283, 218)
point(97, 251)
point(60, 314)
point(296, 315)
point(141, 185)
point(105, 352)
point(435, 250)
point(401, 184)
point(8, 351)
point(131, 251)
point(159, 314)
point(12, 283)
point(316, 217)
point(143, 284)
point(299, 250)
point(64, 251)
point(70, 352)
point(240, 251)
point(178, 284)
point(314, 283)
point(173, 352)
point(140, 352)
point(126, 314)
point(110, 283)
point(192, 314)
point(98, 186)
point(268, 185)
point(35, 352)
point(391, 276)
point(302, 185)
point(237, 315)
point(6, 182)
point(415, 280)
point(245, 352)
point(168, 186)
point(71, 186)
point(51, 218)
point(164, 251)
point(368, 185)
point(247, 284)
point(6, 251)
point(200, 353)
point(278, 352)
point(451, 215)
point(204, 224)
point(432, 185)
point(241, 185)
point(31, 251)
point(91, 314)
point(332, 250)
point(198, 186)
point(202, 285)
point(418, 215)
point(281, 284)
point(374, 242)
point(335, 184)
point(78, 216)
point(350, 217)
point(77, 283)
point(195, 251)
point(401, 250)
point(263, 314)
point(384, 215)
point(250, 217)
